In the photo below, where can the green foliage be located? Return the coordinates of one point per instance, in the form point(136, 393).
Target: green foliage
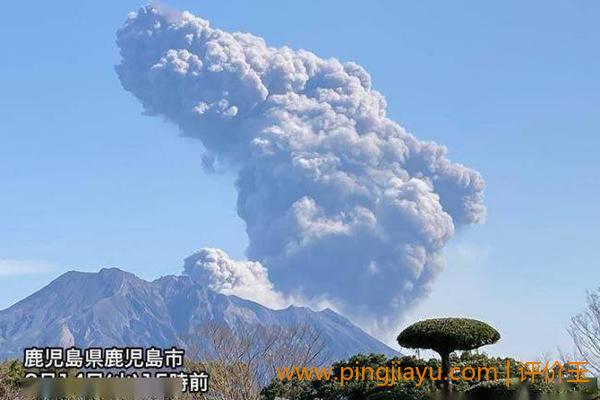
point(16, 373)
point(497, 367)
point(12, 376)
point(445, 335)
point(494, 390)
point(359, 389)
point(405, 389)
point(500, 390)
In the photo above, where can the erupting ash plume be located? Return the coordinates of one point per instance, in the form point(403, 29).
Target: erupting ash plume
point(341, 204)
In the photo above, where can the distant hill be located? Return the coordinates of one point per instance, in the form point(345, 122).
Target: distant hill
point(116, 308)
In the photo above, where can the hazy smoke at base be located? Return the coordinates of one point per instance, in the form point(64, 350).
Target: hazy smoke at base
point(214, 269)
point(340, 203)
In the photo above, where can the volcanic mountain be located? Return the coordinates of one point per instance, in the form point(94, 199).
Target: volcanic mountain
point(116, 308)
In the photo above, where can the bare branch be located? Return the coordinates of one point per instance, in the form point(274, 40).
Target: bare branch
point(585, 331)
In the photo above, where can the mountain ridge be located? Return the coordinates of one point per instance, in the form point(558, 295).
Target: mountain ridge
point(113, 307)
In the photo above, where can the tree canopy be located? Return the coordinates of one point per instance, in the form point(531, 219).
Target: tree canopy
point(448, 334)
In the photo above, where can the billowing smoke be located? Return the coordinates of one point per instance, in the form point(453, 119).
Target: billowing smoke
point(247, 279)
point(341, 204)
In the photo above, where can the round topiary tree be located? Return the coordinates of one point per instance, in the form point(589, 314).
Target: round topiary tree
point(445, 335)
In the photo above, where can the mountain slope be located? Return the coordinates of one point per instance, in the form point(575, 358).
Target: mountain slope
point(116, 308)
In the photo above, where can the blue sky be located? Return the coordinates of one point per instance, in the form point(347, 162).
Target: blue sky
point(512, 89)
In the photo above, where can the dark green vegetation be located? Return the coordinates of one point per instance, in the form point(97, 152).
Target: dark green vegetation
point(12, 376)
point(476, 376)
point(448, 334)
point(487, 388)
point(445, 335)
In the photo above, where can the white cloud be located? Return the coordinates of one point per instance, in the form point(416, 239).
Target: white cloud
point(10, 267)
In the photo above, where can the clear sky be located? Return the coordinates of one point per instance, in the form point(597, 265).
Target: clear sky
point(511, 88)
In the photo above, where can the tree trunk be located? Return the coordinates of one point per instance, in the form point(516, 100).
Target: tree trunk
point(446, 373)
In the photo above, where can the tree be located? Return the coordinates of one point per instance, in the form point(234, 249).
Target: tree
point(585, 331)
point(241, 362)
point(445, 335)
point(11, 376)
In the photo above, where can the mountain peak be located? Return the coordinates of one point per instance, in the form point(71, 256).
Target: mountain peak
point(113, 307)
point(112, 270)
